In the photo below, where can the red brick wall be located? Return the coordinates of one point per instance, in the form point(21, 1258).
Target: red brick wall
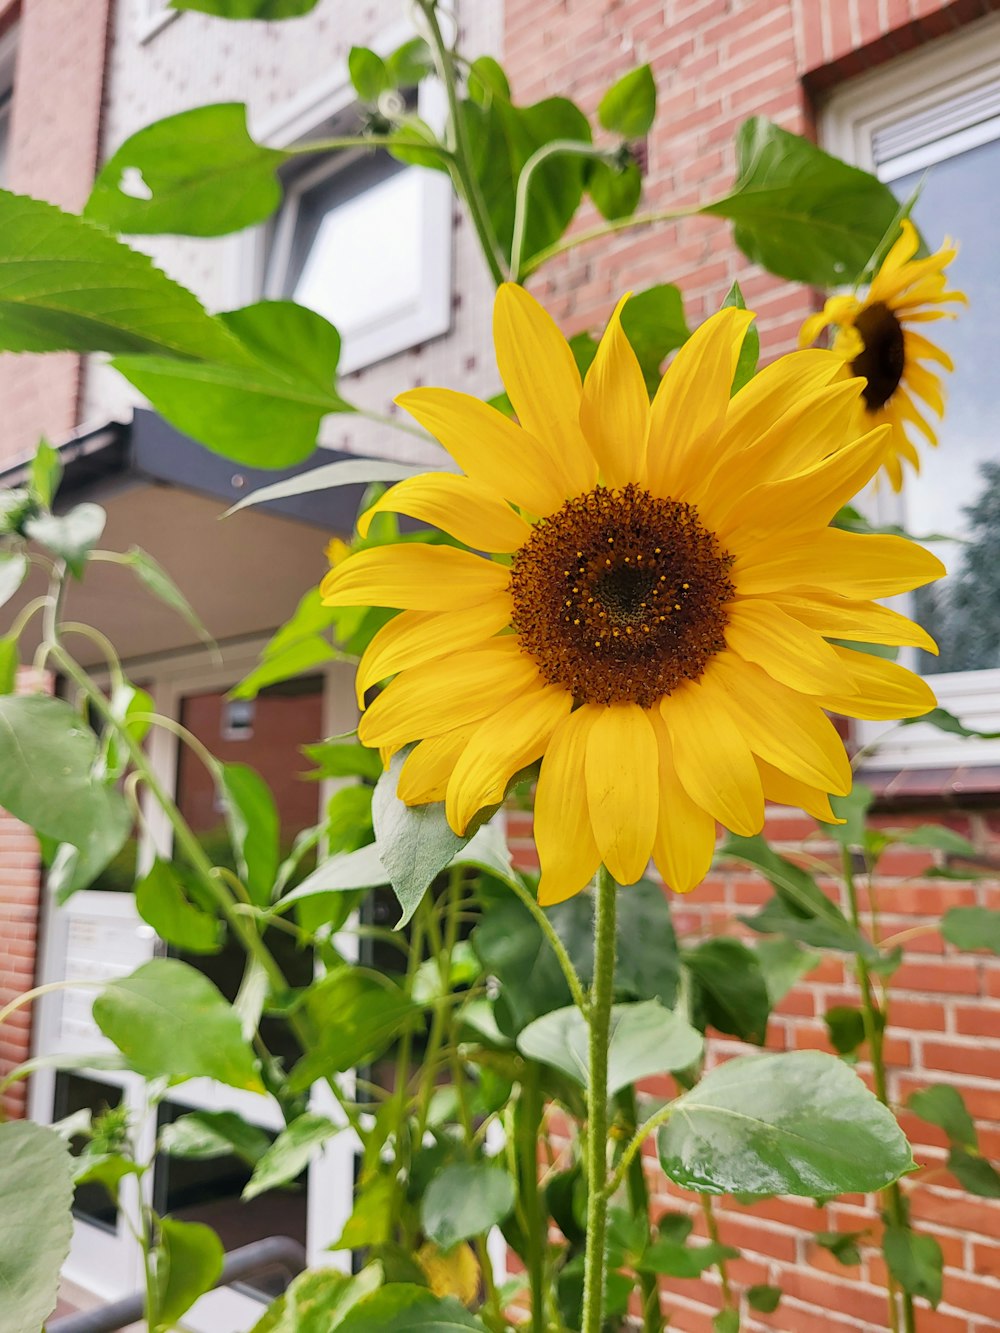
point(717, 62)
point(55, 128)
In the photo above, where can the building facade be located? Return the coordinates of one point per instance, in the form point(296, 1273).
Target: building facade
point(908, 87)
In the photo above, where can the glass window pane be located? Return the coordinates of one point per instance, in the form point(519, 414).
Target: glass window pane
point(76, 1092)
point(958, 489)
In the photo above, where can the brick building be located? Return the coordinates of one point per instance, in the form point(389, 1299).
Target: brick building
point(906, 86)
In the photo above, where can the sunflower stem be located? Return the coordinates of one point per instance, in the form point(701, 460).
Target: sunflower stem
point(638, 1199)
point(892, 1195)
point(599, 1021)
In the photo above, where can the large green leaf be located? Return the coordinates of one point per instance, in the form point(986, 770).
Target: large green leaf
point(356, 1014)
point(290, 1153)
point(36, 1195)
point(732, 993)
point(189, 1259)
point(797, 1123)
point(628, 107)
point(464, 1200)
point(801, 213)
point(915, 1261)
point(47, 756)
point(402, 1308)
point(268, 10)
point(645, 1039)
point(162, 903)
point(66, 285)
point(317, 1301)
point(654, 324)
point(262, 408)
point(194, 174)
point(254, 829)
point(169, 1021)
point(202, 1135)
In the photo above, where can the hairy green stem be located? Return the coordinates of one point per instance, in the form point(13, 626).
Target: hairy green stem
point(555, 148)
point(599, 1020)
point(607, 229)
point(638, 1198)
point(895, 1204)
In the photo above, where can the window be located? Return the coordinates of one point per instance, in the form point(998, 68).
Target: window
point(366, 242)
point(933, 120)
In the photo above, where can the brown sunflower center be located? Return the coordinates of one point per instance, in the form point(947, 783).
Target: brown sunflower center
point(621, 597)
point(882, 359)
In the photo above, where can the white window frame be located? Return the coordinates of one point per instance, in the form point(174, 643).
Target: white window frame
point(965, 65)
point(261, 261)
point(106, 1263)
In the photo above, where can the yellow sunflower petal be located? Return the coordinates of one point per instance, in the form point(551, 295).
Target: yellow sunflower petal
point(862, 622)
point(784, 728)
point(488, 446)
point(903, 248)
point(685, 833)
point(775, 390)
point(905, 408)
point(852, 564)
point(622, 791)
point(509, 739)
point(414, 577)
point(427, 768)
point(414, 637)
point(837, 310)
point(916, 345)
point(884, 690)
point(467, 509)
point(542, 382)
point(690, 405)
point(760, 632)
point(615, 409)
point(926, 386)
point(713, 760)
point(783, 790)
point(567, 852)
point(431, 699)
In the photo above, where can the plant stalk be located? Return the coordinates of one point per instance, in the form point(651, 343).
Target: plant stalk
point(638, 1198)
point(599, 1021)
point(892, 1194)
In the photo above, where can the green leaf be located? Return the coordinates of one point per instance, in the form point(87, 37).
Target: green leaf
point(266, 10)
point(371, 1221)
point(654, 324)
point(162, 903)
point(726, 1321)
point(262, 409)
point(357, 1014)
point(304, 655)
point(764, 1298)
point(16, 505)
point(189, 1259)
point(645, 1039)
point(675, 1259)
point(70, 537)
point(290, 1153)
point(464, 1200)
point(732, 992)
point(156, 580)
point(800, 213)
point(359, 869)
point(944, 1106)
point(915, 1261)
point(348, 472)
point(783, 963)
point(402, 1308)
point(254, 829)
point(410, 63)
point(746, 365)
point(202, 1135)
point(47, 756)
point(36, 1226)
point(46, 473)
point(68, 286)
point(845, 1026)
point(13, 569)
point(105, 1169)
point(937, 836)
point(853, 809)
point(628, 107)
point(798, 1123)
point(972, 928)
point(198, 173)
point(487, 80)
point(169, 1021)
point(8, 666)
point(945, 721)
point(317, 1301)
point(368, 73)
point(343, 759)
point(615, 190)
point(974, 1173)
point(415, 843)
point(843, 1245)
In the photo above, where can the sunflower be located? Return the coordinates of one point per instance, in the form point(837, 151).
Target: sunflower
point(652, 619)
point(878, 339)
